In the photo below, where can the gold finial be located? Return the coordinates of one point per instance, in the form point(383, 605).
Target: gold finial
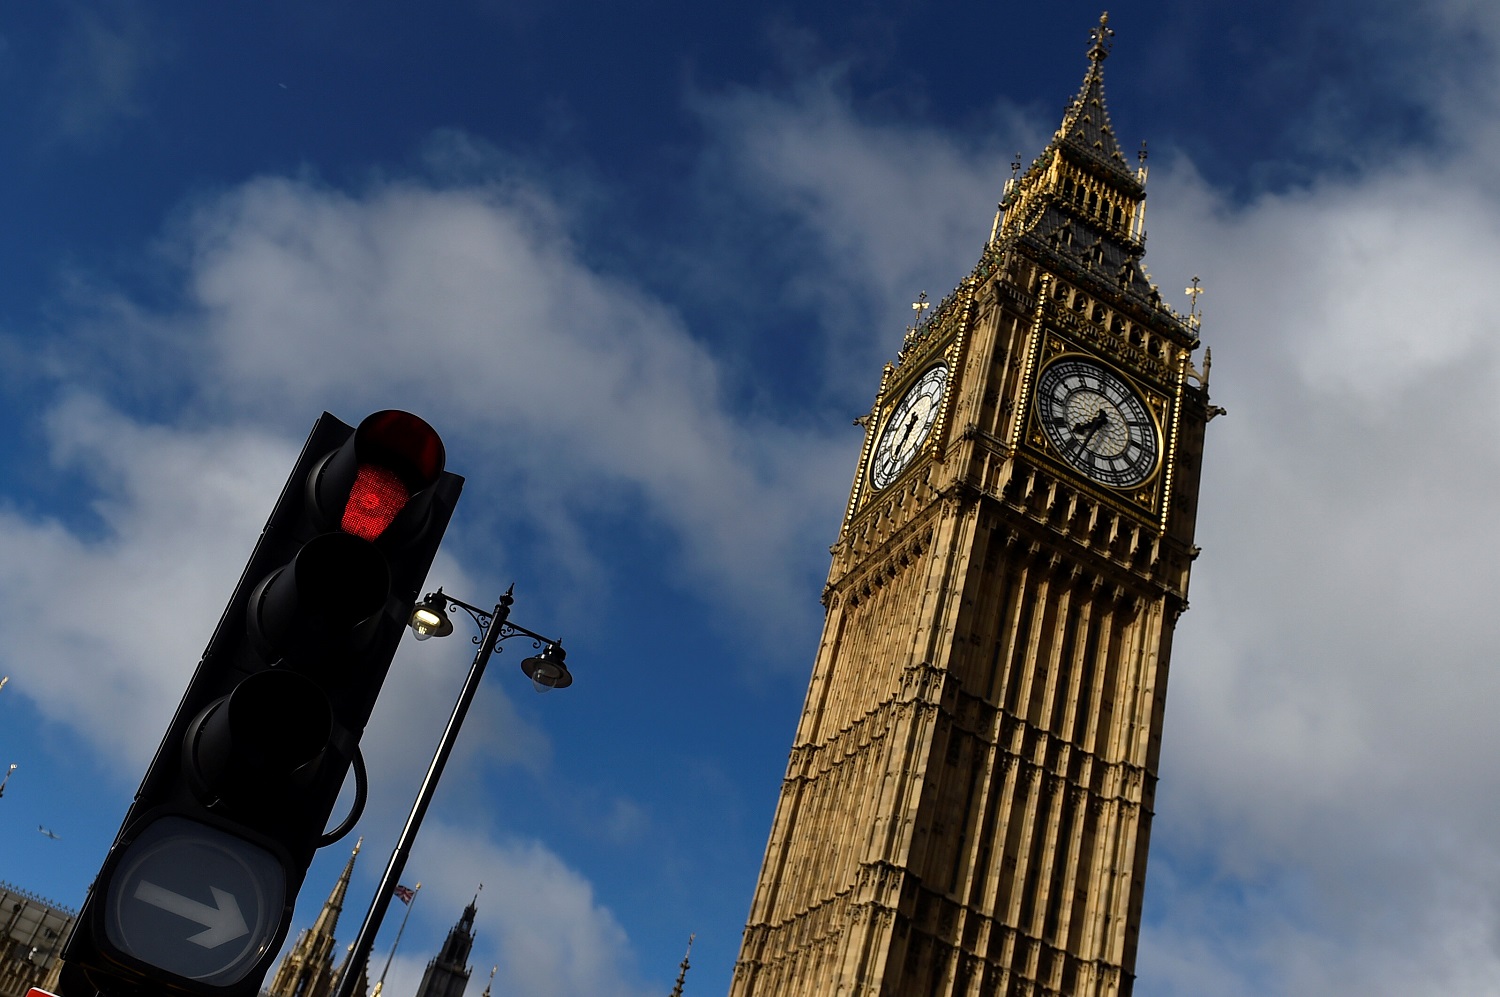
point(910, 339)
point(1192, 292)
point(487, 986)
point(1010, 189)
point(920, 306)
point(1101, 35)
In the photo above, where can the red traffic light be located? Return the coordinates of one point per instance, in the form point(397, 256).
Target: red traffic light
point(197, 893)
point(386, 469)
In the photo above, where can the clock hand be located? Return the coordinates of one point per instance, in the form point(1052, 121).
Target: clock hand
point(1093, 424)
point(1098, 422)
point(910, 425)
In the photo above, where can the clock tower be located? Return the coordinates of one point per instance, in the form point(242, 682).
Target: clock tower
point(968, 802)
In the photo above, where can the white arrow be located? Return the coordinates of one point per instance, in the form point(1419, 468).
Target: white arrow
point(223, 921)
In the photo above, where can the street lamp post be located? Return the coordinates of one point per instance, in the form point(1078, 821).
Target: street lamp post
point(546, 670)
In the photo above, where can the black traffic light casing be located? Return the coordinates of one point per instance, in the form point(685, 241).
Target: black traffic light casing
point(240, 793)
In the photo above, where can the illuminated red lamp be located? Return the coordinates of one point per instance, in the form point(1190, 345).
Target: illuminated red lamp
point(392, 459)
point(377, 497)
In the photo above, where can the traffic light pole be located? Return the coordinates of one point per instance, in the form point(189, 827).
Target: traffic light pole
point(497, 629)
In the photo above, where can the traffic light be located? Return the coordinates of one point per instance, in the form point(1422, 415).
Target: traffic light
point(196, 894)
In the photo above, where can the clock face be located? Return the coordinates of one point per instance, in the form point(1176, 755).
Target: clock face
point(908, 425)
point(1097, 421)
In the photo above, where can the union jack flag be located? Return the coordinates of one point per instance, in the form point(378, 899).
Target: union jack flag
point(404, 893)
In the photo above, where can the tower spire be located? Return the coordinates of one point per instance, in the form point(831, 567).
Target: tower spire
point(307, 970)
point(328, 917)
point(682, 970)
point(448, 974)
point(1085, 125)
point(1081, 204)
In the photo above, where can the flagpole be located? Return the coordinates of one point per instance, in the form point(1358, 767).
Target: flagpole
point(380, 985)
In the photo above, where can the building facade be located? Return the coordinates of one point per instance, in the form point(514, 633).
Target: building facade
point(968, 802)
point(31, 941)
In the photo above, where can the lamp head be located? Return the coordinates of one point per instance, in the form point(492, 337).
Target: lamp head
point(429, 618)
point(547, 670)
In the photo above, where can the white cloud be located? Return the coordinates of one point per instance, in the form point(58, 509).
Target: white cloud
point(1327, 788)
point(538, 919)
point(470, 306)
point(102, 626)
point(892, 210)
point(1376, 282)
point(96, 84)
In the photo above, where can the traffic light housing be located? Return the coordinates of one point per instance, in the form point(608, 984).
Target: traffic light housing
point(197, 892)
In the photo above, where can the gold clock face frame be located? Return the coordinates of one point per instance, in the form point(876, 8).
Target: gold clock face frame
point(1098, 422)
point(908, 425)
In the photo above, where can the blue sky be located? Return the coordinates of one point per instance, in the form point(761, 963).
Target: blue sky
point(641, 265)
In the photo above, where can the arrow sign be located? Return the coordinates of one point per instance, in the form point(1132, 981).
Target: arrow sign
point(224, 921)
point(154, 913)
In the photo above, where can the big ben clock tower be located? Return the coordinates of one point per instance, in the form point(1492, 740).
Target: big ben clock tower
point(968, 803)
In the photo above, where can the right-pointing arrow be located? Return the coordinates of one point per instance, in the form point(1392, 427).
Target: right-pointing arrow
point(223, 922)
